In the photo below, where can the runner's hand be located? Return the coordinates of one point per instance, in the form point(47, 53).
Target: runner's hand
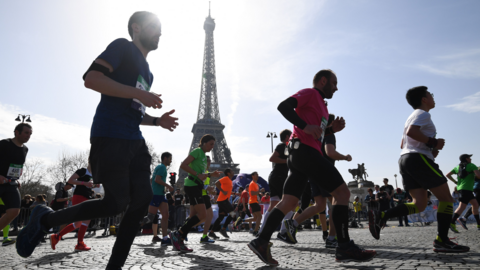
point(150, 99)
point(440, 144)
point(166, 121)
point(215, 174)
point(170, 188)
point(89, 184)
point(435, 152)
point(338, 124)
point(348, 158)
point(202, 176)
point(314, 130)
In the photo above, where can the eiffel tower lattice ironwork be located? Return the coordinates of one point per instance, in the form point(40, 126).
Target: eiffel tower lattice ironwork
point(208, 119)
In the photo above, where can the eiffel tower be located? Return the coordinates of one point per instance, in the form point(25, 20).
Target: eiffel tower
point(208, 118)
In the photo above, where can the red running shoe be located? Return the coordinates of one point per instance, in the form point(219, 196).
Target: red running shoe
point(54, 239)
point(81, 247)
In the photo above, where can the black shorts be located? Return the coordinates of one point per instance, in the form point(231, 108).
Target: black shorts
point(224, 207)
point(419, 171)
point(194, 194)
point(10, 196)
point(206, 200)
point(3, 210)
point(276, 183)
point(317, 191)
point(255, 207)
point(307, 163)
point(466, 196)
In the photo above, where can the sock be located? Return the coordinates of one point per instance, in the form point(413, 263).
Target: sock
point(227, 221)
point(455, 216)
point(331, 237)
point(70, 227)
point(5, 231)
point(477, 219)
point(340, 215)
point(444, 215)
point(188, 226)
point(264, 219)
point(401, 210)
point(203, 236)
point(276, 216)
point(287, 216)
point(469, 213)
point(216, 224)
point(81, 232)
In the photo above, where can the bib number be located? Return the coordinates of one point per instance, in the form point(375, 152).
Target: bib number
point(14, 171)
point(324, 127)
point(142, 85)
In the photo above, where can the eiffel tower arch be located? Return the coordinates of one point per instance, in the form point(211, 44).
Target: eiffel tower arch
point(208, 117)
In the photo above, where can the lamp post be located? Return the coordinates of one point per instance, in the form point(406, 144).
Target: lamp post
point(22, 118)
point(396, 186)
point(271, 135)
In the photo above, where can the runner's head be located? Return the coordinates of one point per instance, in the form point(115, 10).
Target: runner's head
point(326, 81)
point(23, 132)
point(166, 158)
point(145, 27)
point(466, 158)
point(207, 142)
point(419, 98)
point(255, 177)
point(228, 172)
point(285, 135)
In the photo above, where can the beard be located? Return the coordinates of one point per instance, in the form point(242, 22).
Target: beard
point(327, 90)
point(149, 43)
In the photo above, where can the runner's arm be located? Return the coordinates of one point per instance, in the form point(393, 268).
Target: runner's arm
point(333, 154)
point(449, 176)
point(415, 133)
point(275, 158)
point(159, 180)
point(287, 109)
point(219, 186)
point(73, 180)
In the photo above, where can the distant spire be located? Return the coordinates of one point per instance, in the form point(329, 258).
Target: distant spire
point(208, 8)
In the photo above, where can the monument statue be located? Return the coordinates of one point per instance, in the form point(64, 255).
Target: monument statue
point(359, 174)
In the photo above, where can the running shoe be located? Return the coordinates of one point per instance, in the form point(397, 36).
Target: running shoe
point(206, 240)
point(165, 242)
point(31, 235)
point(449, 247)
point(213, 235)
point(284, 237)
point(262, 249)
point(238, 222)
point(375, 223)
point(156, 239)
point(184, 248)
point(353, 253)
point(175, 238)
point(7, 242)
point(224, 233)
point(54, 239)
point(331, 243)
point(81, 247)
point(291, 230)
point(463, 222)
point(453, 228)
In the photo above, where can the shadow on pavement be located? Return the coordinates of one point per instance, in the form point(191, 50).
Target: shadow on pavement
point(56, 257)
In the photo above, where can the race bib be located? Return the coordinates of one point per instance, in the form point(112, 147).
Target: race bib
point(14, 171)
point(142, 85)
point(324, 127)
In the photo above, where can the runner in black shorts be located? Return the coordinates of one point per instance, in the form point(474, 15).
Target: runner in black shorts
point(243, 206)
point(320, 195)
point(466, 172)
point(12, 157)
point(253, 191)
point(309, 114)
point(225, 208)
point(196, 165)
point(420, 172)
point(279, 174)
point(118, 155)
point(476, 190)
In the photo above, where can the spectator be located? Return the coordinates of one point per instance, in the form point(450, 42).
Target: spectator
point(27, 201)
point(384, 202)
point(357, 206)
point(389, 190)
point(266, 198)
point(39, 200)
point(178, 198)
point(377, 189)
point(400, 198)
point(370, 200)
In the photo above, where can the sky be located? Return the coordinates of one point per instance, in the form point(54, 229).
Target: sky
point(265, 51)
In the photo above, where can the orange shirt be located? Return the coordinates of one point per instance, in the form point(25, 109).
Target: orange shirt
point(253, 187)
point(226, 186)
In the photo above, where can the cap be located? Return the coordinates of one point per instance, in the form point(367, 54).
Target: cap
point(464, 157)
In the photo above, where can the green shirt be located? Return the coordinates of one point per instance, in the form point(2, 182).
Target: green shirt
point(199, 165)
point(160, 170)
point(467, 182)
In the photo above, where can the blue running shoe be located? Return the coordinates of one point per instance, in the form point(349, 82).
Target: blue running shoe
point(31, 235)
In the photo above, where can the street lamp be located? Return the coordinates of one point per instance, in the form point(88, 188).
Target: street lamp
point(395, 180)
point(271, 135)
point(22, 117)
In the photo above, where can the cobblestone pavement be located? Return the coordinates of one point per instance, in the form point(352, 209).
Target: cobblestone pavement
point(398, 248)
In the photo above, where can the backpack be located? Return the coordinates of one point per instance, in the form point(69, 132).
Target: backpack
point(462, 170)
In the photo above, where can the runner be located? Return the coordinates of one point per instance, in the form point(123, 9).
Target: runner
point(279, 174)
point(225, 208)
point(243, 207)
point(254, 205)
point(420, 172)
point(159, 201)
point(82, 179)
point(61, 198)
point(466, 172)
point(14, 152)
point(118, 154)
point(476, 190)
point(195, 165)
point(308, 112)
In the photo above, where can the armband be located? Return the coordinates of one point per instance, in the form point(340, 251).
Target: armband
point(97, 67)
point(432, 142)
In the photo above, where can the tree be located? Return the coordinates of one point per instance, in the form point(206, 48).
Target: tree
point(33, 180)
point(155, 156)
